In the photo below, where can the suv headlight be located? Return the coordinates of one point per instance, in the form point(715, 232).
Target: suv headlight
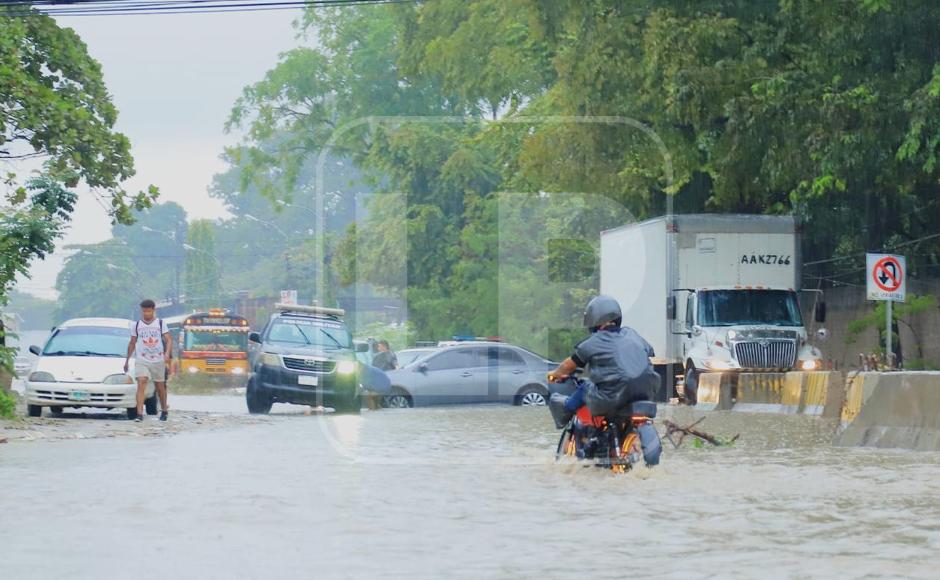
point(345, 367)
point(41, 377)
point(270, 359)
point(118, 379)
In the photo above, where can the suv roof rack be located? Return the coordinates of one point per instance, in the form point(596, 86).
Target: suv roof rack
point(303, 309)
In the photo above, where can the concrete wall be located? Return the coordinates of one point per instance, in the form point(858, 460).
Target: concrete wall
point(892, 410)
point(897, 409)
point(848, 303)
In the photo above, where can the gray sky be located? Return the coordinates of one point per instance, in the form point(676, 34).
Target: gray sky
point(173, 79)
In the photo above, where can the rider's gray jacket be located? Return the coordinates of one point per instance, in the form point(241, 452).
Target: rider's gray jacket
point(619, 365)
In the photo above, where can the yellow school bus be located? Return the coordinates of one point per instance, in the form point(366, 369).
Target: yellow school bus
point(214, 344)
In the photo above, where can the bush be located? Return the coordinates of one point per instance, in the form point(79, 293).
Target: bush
point(7, 404)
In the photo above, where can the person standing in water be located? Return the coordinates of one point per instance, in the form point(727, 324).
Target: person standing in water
point(151, 341)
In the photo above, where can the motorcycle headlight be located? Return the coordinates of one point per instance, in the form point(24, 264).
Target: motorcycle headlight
point(41, 377)
point(118, 379)
point(270, 359)
point(345, 367)
point(810, 365)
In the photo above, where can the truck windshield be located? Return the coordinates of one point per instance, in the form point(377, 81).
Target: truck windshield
point(742, 307)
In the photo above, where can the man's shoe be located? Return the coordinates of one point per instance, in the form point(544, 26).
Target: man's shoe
point(163, 415)
point(139, 418)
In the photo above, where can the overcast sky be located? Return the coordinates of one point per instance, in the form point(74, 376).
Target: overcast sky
point(173, 79)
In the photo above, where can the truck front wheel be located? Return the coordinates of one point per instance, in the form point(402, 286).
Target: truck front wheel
point(691, 384)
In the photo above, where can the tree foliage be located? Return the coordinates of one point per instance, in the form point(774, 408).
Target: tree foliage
point(826, 110)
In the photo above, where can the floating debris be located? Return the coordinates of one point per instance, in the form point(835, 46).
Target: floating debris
point(672, 429)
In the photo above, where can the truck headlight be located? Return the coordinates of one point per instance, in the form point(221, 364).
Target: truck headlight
point(238, 371)
point(270, 359)
point(809, 365)
point(345, 367)
point(118, 379)
point(41, 377)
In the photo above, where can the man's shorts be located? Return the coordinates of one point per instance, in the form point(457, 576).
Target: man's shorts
point(155, 371)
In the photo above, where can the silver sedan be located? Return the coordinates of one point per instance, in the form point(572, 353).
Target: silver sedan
point(472, 372)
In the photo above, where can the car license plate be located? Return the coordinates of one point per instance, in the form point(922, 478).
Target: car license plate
point(79, 395)
point(308, 380)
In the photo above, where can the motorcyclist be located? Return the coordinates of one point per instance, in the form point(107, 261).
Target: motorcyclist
point(618, 360)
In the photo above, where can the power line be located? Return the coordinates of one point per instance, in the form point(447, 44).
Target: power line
point(22, 8)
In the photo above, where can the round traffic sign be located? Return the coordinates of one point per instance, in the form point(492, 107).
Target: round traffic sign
point(888, 274)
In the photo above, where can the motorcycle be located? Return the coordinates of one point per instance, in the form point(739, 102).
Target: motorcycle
point(618, 442)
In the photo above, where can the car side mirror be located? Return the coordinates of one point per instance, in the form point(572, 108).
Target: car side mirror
point(254, 337)
point(362, 347)
point(671, 308)
point(423, 368)
point(696, 330)
point(35, 350)
point(820, 313)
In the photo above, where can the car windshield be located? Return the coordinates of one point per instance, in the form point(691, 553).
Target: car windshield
point(88, 341)
point(325, 334)
point(221, 341)
point(742, 307)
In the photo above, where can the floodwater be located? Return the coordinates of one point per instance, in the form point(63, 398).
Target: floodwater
point(466, 492)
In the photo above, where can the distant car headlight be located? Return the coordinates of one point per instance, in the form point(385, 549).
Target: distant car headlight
point(271, 359)
point(345, 367)
point(809, 365)
point(118, 379)
point(238, 371)
point(41, 377)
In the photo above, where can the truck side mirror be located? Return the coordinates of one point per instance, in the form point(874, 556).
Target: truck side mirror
point(254, 337)
point(696, 330)
point(35, 350)
point(362, 347)
point(820, 312)
point(671, 307)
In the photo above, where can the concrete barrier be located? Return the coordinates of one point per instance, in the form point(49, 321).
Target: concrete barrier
point(900, 409)
point(817, 393)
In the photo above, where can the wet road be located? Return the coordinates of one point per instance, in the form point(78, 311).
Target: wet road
point(465, 492)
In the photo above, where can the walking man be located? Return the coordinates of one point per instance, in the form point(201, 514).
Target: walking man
point(384, 360)
point(151, 341)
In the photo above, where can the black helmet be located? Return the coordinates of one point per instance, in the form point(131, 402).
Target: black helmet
point(601, 310)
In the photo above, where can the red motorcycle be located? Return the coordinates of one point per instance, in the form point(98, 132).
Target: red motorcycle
point(617, 442)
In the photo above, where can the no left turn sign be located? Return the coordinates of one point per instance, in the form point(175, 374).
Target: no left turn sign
point(886, 277)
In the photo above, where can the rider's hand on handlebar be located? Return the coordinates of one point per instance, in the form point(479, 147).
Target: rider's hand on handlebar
point(553, 378)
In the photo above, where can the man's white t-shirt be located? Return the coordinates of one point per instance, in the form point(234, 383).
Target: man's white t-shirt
point(149, 339)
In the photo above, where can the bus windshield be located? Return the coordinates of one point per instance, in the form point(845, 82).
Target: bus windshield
point(743, 307)
point(216, 340)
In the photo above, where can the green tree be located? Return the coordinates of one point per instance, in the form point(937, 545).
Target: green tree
point(203, 269)
point(55, 111)
point(98, 280)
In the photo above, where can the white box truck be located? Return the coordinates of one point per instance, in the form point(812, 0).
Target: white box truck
point(711, 293)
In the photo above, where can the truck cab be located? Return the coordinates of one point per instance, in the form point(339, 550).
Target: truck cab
point(746, 328)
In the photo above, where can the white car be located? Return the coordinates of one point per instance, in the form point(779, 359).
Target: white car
point(82, 365)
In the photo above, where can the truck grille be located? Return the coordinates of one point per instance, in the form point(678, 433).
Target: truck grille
point(309, 365)
point(215, 361)
point(766, 354)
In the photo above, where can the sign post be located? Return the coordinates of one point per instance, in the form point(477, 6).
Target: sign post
point(887, 280)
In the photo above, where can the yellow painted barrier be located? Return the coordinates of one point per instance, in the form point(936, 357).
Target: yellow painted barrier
point(762, 392)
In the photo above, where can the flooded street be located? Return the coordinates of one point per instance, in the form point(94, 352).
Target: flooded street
point(464, 492)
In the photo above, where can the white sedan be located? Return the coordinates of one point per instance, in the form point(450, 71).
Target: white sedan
point(82, 365)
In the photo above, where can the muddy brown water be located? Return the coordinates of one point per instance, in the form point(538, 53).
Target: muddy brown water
point(467, 492)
